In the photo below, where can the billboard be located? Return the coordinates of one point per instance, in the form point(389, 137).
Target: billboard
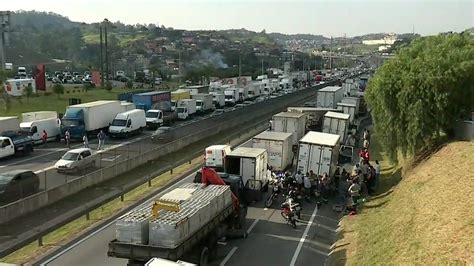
point(39, 76)
point(96, 78)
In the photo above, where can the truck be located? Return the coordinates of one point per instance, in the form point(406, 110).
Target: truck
point(128, 123)
point(203, 102)
point(328, 97)
point(127, 106)
point(177, 95)
point(52, 126)
point(89, 118)
point(186, 108)
point(195, 89)
point(231, 96)
point(184, 223)
point(352, 100)
point(218, 99)
point(214, 156)
point(248, 163)
point(243, 94)
point(279, 148)
point(318, 152)
point(38, 115)
point(336, 123)
point(153, 100)
point(15, 142)
point(348, 108)
point(156, 118)
point(290, 122)
point(314, 116)
point(9, 123)
point(254, 90)
point(17, 87)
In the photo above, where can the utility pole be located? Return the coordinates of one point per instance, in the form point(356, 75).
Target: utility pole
point(330, 55)
point(106, 56)
point(101, 57)
point(5, 18)
point(262, 67)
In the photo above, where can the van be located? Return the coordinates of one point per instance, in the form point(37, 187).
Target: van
point(52, 126)
point(128, 123)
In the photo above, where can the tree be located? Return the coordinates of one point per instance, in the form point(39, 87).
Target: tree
point(108, 85)
point(422, 92)
point(29, 92)
point(58, 89)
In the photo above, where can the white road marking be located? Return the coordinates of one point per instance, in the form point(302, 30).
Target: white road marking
point(229, 255)
point(111, 158)
point(303, 238)
point(252, 226)
point(109, 224)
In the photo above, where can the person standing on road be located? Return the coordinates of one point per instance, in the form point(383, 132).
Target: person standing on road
point(85, 140)
point(67, 138)
point(377, 173)
point(101, 137)
point(44, 136)
point(366, 143)
point(299, 179)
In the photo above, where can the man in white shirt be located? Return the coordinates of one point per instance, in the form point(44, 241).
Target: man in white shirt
point(377, 172)
point(299, 178)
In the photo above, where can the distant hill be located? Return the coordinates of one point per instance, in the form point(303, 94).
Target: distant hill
point(308, 37)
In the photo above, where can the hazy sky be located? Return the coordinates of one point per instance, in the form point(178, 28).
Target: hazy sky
point(330, 17)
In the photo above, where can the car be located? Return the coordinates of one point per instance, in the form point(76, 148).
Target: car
point(75, 160)
point(18, 184)
point(162, 134)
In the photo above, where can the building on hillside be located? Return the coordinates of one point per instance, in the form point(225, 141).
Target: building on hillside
point(387, 40)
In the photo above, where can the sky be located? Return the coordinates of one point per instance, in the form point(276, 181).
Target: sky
point(329, 18)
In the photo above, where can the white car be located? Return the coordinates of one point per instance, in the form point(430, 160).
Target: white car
point(74, 160)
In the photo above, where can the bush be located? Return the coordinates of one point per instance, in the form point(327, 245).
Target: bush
point(58, 89)
point(108, 86)
point(129, 84)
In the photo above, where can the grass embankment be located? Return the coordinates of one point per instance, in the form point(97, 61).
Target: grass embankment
point(420, 216)
point(78, 226)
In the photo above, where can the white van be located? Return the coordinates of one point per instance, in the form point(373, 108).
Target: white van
point(128, 123)
point(52, 126)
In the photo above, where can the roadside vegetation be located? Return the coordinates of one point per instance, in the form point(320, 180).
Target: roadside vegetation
point(421, 212)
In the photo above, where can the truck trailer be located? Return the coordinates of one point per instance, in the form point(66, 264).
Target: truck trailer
point(278, 146)
point(318, 152)
point(291, 122)
point(153, 100)
point(336, 123)
point(9, 123)
point(204, 102)
point(328, 97)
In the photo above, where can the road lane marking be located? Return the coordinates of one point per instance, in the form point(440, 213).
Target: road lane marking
point(303, 238)
point(229, 255)
point(252, 226)
point(53, 258)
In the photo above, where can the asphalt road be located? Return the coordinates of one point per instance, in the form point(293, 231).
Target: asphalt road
point(270, 242)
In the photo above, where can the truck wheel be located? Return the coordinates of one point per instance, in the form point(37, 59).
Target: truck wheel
point(204, 258)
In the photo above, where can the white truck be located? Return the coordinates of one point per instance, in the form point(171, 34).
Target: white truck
point(328, 97)
point(278, 146)
point(52, 126)
point(291, 122)
point(352, 100)
point(348, 108)
point(203, 102)
point(243, 94)
point(318, 152)
point(186, 108)
point(336, 123)
point(248, 163)
point(12, 143)
point(156, 118)
point(9, 123)
point(215, 156)
point(128, 123)
point(38, 115)
point(89, 118)
point(231, 96)
point(218, 99)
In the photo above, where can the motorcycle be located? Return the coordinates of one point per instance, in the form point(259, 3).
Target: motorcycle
point(290, 209)
point(275, 192)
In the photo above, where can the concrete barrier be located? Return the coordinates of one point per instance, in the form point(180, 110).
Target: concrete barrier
point(465, 130)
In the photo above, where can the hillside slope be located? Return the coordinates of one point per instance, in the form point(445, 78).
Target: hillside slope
point(425, 219)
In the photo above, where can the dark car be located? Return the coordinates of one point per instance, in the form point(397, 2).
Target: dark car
point(18, 184)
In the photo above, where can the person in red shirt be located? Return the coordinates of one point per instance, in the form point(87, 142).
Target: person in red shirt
point(44, 136)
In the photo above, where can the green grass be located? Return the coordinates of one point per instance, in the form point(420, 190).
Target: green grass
point(52, 103)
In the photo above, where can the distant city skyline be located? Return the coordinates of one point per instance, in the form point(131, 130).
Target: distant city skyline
point(329, 18)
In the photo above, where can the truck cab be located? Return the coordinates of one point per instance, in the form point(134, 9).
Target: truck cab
point(154, 118)
point(231, 96)
point(6, 147)
point(13, 142)
point(183, 112)
point(73, 121)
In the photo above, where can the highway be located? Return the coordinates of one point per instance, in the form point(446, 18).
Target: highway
point(270, 242)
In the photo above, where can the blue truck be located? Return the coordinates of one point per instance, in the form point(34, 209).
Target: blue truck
point(153, 100)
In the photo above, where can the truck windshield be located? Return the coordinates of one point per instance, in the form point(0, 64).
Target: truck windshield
point(119, 122)
point(229, 97)
point(70, 156)
point(69, 123)
point(198, 103)
point(151, 114)
point(181, 110)
point(27, 129)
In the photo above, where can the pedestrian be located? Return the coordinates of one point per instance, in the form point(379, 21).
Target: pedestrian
point(85, 140)
point(354, 192)
point(299, 179)
point(67, 138)
point(307, 186)
point(337, 177)
point(44, 136)
point(366, 143)
point(367, 135)
point(101, 138)
point(377, 173)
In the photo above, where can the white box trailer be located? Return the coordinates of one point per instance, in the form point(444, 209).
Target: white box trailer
point(215, 156)
point(278, 146)
point(318, 152)
point(204, 102)
point(291, 122)
point(249, 163)
point(8, 123)
point(38, 115)
point(352, 100)
point(336, 123)
point(127, 106)
point(348, 108)
point(328, 97)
